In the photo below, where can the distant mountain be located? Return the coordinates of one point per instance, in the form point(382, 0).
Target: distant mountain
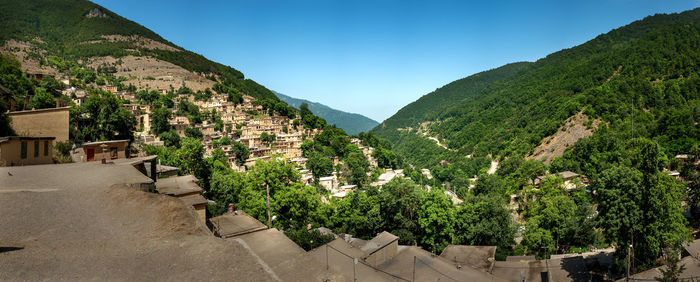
point(351, 123)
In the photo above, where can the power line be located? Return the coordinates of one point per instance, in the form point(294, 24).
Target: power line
point(365, 264)
point(443, 274)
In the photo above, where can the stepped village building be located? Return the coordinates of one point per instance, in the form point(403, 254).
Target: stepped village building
point(52, 122)
point(21, 150)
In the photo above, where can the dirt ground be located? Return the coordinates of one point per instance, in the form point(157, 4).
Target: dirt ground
point(147, 72)
point(553, 146)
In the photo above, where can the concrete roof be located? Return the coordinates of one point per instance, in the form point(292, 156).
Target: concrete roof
point(378, 242)
point(235, 224)
point(478, 257)
point(90, 221)
point(9, 138)
point(518, 270)
point(340, 194)
point(194, 199)
point(165, 168)
point(590, 266)
point(520, 258)
point(179, 185)
point(693, 248)
point(429, 267)
point(340, 254)
point(692, 269)
point(283, 258)
point(568, 174)
point(104, 142)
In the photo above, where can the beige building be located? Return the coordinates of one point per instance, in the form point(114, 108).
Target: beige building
point(185, 188)
point(18, 150)
point(108, 150)
point(42, 123)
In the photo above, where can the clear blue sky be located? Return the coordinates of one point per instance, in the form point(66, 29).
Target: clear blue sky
point(373, 57)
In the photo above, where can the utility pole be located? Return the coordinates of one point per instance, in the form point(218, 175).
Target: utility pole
point(269, 220)
point(628, 263)
point(326, 256)
point(414, 268)
point(632, 251)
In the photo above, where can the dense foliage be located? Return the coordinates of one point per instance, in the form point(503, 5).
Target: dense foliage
point(645, 72)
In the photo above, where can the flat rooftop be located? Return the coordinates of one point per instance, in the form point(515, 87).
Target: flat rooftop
point(178, 185)
point(429, 267)
point(235, 224)
point(478, 257)
point(90, 221)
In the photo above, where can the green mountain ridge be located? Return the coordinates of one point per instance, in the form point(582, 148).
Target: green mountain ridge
point(647, 70)
point(350, 122)
point(68, 33)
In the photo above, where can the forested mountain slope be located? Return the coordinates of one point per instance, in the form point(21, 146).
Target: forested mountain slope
point(640, 80)
point(350, 122)
point(48, 35)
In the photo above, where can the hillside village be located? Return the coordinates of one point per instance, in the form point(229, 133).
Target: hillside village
point(154, 163)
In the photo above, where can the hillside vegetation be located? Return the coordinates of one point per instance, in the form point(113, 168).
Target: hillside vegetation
point(646, 72)
point(351, 123)
point(76, 30)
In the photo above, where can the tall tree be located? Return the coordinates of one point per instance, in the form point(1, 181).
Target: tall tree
point(160, 120)
point(436, 218)
point(484, 221)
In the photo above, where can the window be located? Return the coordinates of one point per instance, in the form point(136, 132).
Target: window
point(46, 148)
point(36, 149)
point(24, 150)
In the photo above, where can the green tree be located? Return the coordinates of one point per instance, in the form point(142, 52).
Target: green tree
point(170, 138)
point(385, 158)
point(190, 160)
point(293, 204)
point(160, 120)
point(267, 138)
point(241, 152)
point(308, 239)
point(319, 165)
point(436, 219)
point(42, 100)
point(102, 117)
point(399, 201)
point(358, 214)
point(220, 155)
point(5, 128)
point(490, 184)
point(538, 240)
point(225, 188)
point(484, 221)
point(192, 132)
point(358, 166)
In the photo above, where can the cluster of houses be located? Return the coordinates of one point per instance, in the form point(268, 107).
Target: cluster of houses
point(244, 123)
